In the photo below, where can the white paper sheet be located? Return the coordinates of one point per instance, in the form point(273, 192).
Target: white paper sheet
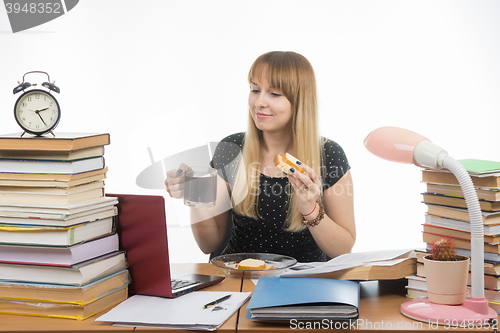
point(348, 260)
point(184, 312)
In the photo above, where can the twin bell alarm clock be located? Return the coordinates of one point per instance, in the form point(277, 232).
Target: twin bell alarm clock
point(37, 110)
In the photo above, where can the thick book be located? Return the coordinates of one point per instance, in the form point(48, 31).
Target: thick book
point(51, 167)
point(55, 236)
point(456, 233)
point(53, 190)
point(462, 243)
point(489, 218)
point(446, 200)
point(459, 224)
point(61, 142)
point(56, 178)
point(52, 155)
point(51, 198)
point(58, 255)
point(54, 211)
point(276, 298)
point(64, 293)
point(378, 270)
point(63, 310)
point(446, 177)
point(56, 220)
point(77, 275)
point(382, 264)
point(483, 193)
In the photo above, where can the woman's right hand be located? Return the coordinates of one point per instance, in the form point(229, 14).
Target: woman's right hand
point(175, 181)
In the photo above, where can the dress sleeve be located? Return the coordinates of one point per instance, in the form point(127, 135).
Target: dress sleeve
point(335, 163)
point(226, 156)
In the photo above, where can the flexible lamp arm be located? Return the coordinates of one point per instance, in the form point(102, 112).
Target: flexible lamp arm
point(404, 146)
point(476, 225)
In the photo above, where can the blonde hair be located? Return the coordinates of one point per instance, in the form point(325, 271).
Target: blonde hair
point(293, 75)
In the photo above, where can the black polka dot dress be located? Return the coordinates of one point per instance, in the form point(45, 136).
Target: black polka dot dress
point(267, 234)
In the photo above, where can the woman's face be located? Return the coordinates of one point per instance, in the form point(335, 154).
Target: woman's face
point(270, 109)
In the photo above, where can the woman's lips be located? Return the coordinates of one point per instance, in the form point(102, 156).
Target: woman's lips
point(262, 115)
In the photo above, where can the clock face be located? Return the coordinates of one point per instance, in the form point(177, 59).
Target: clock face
point(37, 112)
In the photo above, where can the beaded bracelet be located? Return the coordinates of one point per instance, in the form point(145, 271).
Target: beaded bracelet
point(317, 220)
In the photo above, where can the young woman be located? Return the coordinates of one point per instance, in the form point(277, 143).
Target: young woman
point(307, 217)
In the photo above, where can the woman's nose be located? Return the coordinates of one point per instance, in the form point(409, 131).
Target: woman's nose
point(261, 102)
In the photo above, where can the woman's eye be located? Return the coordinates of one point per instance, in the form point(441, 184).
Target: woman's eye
point(254, 91)
point(275, 94)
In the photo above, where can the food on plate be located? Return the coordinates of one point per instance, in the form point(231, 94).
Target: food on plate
point(287, 161)
point(253, 265)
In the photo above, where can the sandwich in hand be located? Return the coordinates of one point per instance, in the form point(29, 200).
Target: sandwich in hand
point(286, 162)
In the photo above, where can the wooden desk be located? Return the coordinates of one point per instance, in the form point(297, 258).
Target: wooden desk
point(379, 310)
point(16, 323)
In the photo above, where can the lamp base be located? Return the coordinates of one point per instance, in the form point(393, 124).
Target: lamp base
point(475, 311)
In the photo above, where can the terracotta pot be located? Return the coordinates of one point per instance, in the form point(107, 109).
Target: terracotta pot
point(446, 280)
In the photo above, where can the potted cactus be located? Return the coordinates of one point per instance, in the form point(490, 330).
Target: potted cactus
point(446, 273)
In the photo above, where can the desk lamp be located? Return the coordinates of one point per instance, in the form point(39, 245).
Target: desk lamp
point(404, 146)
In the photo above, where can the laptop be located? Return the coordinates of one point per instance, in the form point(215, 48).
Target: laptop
point(142, 233)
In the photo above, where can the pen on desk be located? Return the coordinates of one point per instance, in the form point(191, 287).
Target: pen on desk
point(217, 301)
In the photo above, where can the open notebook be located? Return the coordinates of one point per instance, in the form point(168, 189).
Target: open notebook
point(142, 231)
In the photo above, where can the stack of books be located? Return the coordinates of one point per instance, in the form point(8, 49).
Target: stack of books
point(59, 251)
point(447, 216)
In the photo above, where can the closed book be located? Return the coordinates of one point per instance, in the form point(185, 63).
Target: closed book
point(63, 310)
point(58, 255)
point(483, 193)
point(55, 236)
point(455, 233)
point(64, 293)
point(276, 298)
point(77, 275)
point(54, 211)
point(53, 190)
point(52, 155)
point(446, 177)
point(56, 220)
point(45, 166)
point(445, 200)
point(19, 185)
point(460, 242)
point(377, 270)
point(51, 177)
point(50, 198)
point(459, 224)
point(61, 142)
point(489, 218)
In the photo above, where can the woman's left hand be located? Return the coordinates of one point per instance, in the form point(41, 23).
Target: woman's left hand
point(307, 188)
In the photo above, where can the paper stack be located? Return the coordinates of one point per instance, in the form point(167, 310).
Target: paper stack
point(59, 252)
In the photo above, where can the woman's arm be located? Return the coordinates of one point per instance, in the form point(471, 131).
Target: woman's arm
point(209, 224)
point(336, 233)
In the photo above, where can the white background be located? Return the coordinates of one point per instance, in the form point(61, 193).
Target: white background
point(171, 75)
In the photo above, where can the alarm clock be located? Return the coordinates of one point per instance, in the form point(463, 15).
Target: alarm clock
point(37, 111)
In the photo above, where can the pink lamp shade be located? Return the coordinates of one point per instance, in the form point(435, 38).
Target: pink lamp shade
point(401, 145)
point(393, 143)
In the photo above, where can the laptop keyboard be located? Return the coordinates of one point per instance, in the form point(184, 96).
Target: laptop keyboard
point(177, 284)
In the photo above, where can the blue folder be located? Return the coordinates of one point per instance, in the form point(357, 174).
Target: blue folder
point(275, 292)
